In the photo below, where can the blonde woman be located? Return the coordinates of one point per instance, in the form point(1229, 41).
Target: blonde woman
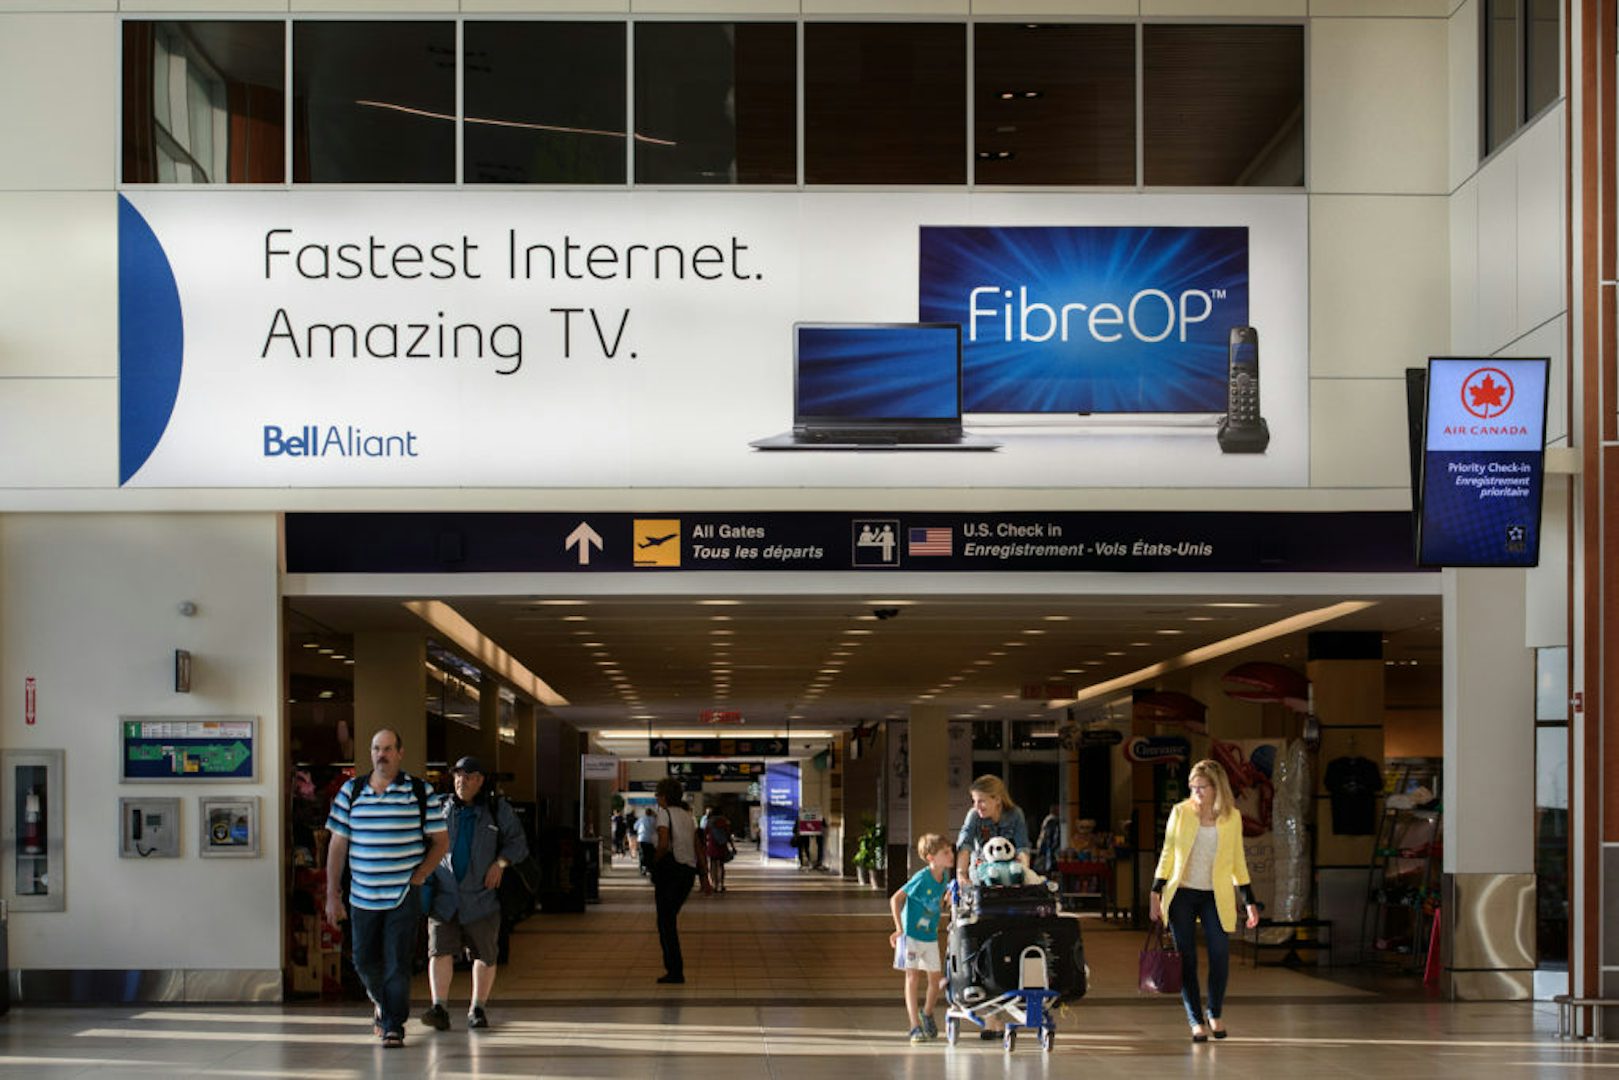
point(1199, 873)
point(993, 814)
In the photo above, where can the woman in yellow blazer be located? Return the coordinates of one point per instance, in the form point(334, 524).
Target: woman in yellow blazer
point(1199, 872)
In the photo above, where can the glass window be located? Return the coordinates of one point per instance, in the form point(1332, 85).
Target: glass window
point(1521, 43)
point(1500, 71)
point(1054, 104)
point(1543, 37)
point(1551, 844)
point(716, 103)
point(987, 734)
point(1223, 105)
point(885, 103)
point(373, 102)
point(204, 102)
point(1551, 684)
point(545, 103)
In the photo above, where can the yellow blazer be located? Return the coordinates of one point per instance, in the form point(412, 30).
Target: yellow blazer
point(1230, 865)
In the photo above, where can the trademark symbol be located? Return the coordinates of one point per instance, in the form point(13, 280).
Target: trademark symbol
point(1218, 294)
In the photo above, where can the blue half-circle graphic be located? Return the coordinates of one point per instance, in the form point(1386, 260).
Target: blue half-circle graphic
point(151, 341)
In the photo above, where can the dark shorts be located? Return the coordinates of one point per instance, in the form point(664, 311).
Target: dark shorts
point(479, 938)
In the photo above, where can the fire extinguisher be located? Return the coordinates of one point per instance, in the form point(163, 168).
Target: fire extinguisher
point(33, 831)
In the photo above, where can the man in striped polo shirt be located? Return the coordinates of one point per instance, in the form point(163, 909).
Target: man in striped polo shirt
point(391, 832)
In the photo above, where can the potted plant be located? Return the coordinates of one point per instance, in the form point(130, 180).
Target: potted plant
point(868, 852)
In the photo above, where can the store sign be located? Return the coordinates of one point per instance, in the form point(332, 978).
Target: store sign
point(323, 338)
point(1156, 749)
point(1483, 462)
point(598, 766)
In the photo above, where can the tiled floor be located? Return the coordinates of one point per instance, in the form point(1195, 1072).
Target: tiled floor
point(787, 978)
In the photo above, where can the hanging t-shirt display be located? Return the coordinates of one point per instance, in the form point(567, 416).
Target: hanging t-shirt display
point(1354, 784)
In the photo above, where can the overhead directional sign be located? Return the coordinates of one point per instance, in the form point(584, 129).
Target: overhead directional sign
point(724, 748)
point(809, 541)
point(716, 771)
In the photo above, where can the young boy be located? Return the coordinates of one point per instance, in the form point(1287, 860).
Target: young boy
point(917, 907)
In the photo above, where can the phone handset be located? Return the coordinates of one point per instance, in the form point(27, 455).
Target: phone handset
point(1243, 430)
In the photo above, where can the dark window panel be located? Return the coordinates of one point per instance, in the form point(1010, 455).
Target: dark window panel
point(204, 102)
point(885, 103)
point(1502, 112)
point(373, 102)
point(1054, 104)
point(1544, 33)
point(1223, 105)
point(716, 103)
point(545, 103)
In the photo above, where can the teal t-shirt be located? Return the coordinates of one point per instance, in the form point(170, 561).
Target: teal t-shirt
point(922, 896)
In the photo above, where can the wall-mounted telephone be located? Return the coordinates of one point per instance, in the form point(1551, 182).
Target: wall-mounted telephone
point(1243, 430)
point(148, 828)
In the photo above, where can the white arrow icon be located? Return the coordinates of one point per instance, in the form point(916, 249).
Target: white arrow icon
point(582, 538)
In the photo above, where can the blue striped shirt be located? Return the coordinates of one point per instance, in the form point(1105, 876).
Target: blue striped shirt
point(387, 840)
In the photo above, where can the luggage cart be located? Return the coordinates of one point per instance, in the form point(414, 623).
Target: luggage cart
point(1027, 1008)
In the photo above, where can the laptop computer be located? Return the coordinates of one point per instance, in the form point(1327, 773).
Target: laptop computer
point(876, 386)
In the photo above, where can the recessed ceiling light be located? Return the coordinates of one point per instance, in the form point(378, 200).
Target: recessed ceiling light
point(1139, 644)
point(1200, 618)
point(856, 630)
point(576, 618)
point(982, 663)
point(719, 618)
point(891, 603)
point(327, 652)
point(926, 697)
point(311, 644)
point(1009, 697)
point(1171, 631)
point(1236, 604)
point(1113, 653)
point(721, 632)
point(1070, 671)
point(718, 603)
point(997, 652)
point(1034, 631)
point(985, 706)
point(561, 603)
point(349, 661)
point(1059, 618)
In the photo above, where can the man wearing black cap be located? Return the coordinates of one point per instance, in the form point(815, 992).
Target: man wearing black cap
point(485, 839)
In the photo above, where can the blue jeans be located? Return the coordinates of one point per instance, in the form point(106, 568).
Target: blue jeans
point(1188, 907)
point(384, 945)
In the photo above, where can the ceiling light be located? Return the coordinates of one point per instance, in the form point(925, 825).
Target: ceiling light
point(1115, 652)
point(889, 603)
point(311, 644)
point(721, 632)
point(1014, 644)
point(718, 603)
point(1200, 618)
point(1139, 644)
point(576, 618)
point(719, 618)
point(855, 630)
point(349, 661)
point(926, 697)
point(1235, 604)
point(1170, 632)
point(561, 603)
point(1070, 671)
point(982, 663)
point(1034, 631)
point(327, 652)
point(1009, 697)
point(997, 652)
point(1059, 618)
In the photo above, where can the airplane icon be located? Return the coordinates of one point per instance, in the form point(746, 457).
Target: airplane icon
point(657, 541)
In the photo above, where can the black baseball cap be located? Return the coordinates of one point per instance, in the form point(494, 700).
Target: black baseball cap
point(470, 764)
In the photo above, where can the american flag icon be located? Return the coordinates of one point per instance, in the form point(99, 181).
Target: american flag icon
point(928, 542)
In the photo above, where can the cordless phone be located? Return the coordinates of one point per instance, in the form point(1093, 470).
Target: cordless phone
point(1243, 430)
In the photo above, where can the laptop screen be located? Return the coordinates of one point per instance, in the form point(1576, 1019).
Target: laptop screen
point(878, 372)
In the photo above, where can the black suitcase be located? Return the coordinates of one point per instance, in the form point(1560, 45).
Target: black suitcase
point(1009, 900)
point(985, 957)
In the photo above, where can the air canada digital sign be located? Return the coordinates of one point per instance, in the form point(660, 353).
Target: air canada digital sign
point(1482, 462)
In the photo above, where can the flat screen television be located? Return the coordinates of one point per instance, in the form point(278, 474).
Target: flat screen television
point(1088, 319)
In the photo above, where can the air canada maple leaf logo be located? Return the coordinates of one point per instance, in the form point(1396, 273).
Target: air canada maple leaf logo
point(1487, 393)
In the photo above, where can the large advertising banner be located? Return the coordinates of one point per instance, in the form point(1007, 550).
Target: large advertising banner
point(781, 809)
point(1482, 462)
point(628, 339)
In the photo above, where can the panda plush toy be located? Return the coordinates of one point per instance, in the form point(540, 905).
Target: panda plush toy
point(999, 865)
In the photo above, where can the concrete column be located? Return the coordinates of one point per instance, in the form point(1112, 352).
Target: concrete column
point(1488, 942)
point(488, 733)
point(930, 777)
point(862, 781)
point(390, 692)
point(519, 758)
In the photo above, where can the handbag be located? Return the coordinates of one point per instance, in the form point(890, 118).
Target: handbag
point(1160, 971)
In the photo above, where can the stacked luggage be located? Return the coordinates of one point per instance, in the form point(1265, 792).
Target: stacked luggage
point(1012, 951)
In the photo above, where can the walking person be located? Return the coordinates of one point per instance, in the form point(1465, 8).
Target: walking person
point(718, 846)
point(646, 838)
point(677, 863)
point(1199, 873)
point(917, 908)
point(485, 838)
point(389, 829)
